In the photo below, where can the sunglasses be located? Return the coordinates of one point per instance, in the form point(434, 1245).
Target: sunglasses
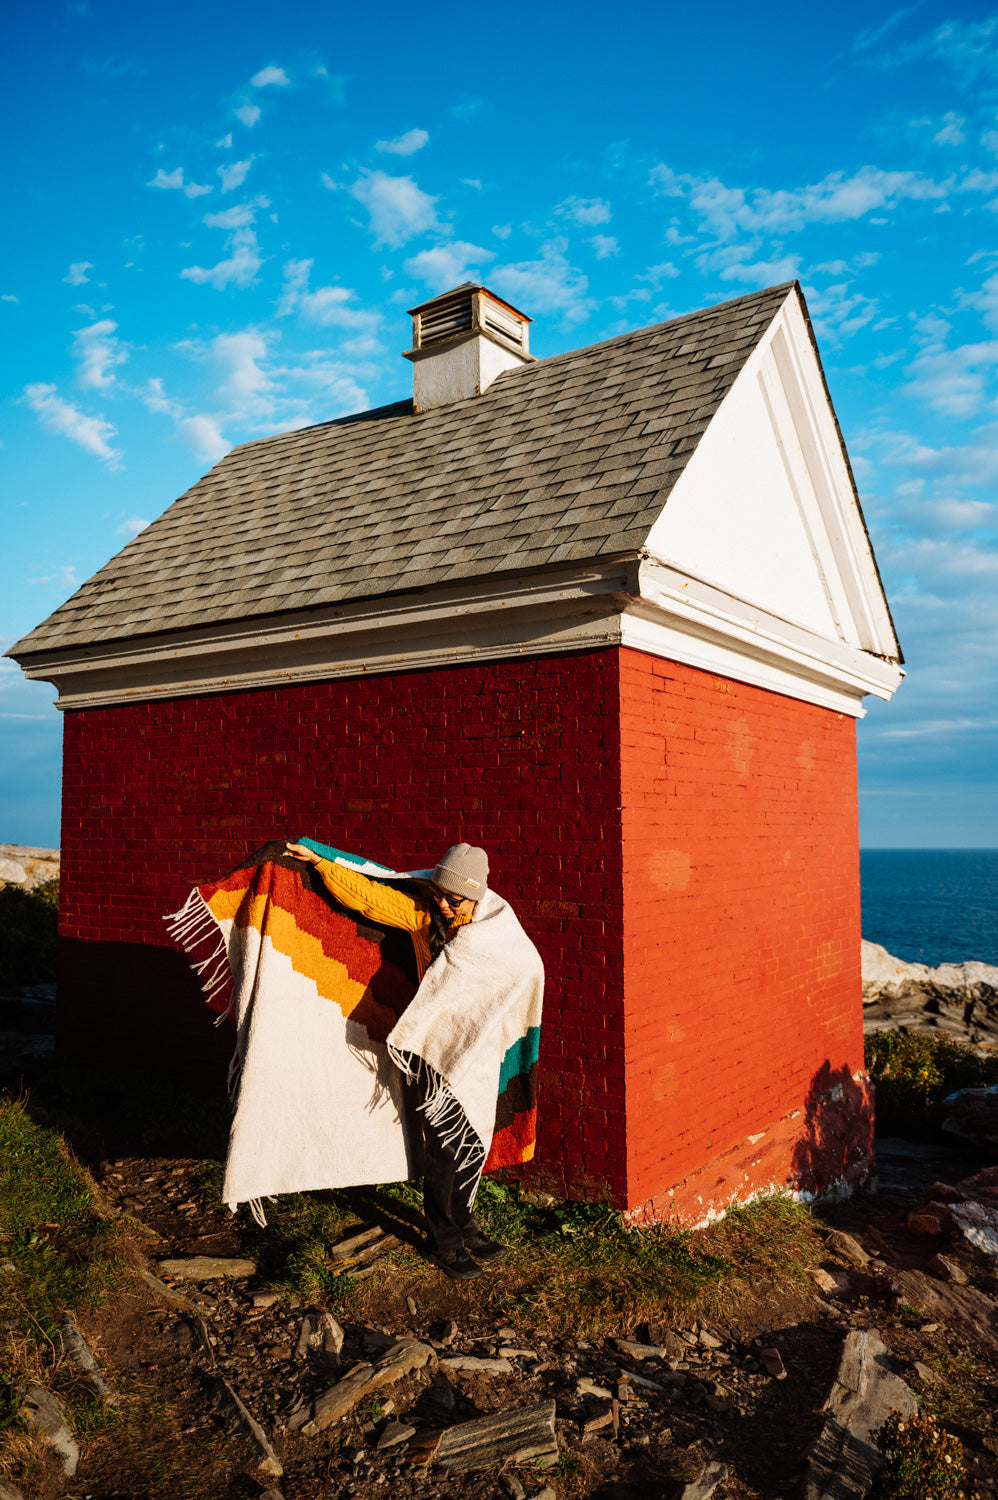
point(452, 901)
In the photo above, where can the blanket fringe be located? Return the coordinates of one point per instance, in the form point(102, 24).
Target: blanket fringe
point(192, 925)
point(443, 1111)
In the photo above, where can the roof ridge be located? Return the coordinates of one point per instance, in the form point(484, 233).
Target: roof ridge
point(703, 312)
point(401, 408)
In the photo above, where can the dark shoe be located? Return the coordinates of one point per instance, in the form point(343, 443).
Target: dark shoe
point(484, 1249)
point(457, 1264)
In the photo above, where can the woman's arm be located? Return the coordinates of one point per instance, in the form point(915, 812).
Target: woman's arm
point(382, 903)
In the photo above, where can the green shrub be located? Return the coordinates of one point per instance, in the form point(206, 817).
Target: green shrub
point(914, 1072)
point(29, 922)
point(921, 1461)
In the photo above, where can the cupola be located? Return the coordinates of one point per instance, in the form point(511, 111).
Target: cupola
point(461, 342)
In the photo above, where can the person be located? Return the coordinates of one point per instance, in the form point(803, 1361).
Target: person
point(457, 885)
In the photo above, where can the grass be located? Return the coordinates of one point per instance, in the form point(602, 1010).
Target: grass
point(573, 1270)
point(58, 1249)
point(914, 1072)
point(29, 922)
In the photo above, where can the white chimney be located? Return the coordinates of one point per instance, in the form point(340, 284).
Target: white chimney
point(461, 341)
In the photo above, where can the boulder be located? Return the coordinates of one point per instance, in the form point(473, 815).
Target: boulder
point(961, 999)
point(844, 1459)
point(972, 1115)
point(966, 1313)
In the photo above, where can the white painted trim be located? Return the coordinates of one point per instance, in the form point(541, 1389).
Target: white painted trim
point(540, 615)
point(687, 619)
point(643, 603)
point(782, 379)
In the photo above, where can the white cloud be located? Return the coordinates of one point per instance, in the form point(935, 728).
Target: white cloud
point(238, 216)
point(604, 245)
point(8, 297)
point(502, 231)
point(248, 114)
point(588, 211)
point(404, 145)
point(869, 38)
point(954, 381)
point(77, 273)
point(270, 77)
point(98, 353)
point(132, 527)
point(838, 311)
point(204, 437)
point(328, 182)
point(398, 208)
point(328, 306)
point(448, 265)
point(549, 285)
point(738, 263)
point(986, 301)
point(175, 179)
point(951, 132)
point(155, 398)
point(240, 267)
point(225, 142)
point(93, 434)
point(837, 198)
point(472, 182)
point(235, 175)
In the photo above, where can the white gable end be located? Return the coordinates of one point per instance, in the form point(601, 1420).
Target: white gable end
point(765, 510)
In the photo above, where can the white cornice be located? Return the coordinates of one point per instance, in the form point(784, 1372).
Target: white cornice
point(638, 602)
point(541, 614)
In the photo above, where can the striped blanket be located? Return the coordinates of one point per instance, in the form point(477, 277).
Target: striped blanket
point(326, 1006)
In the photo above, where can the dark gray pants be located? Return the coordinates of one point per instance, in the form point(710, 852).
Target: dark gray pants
point(447, 1191)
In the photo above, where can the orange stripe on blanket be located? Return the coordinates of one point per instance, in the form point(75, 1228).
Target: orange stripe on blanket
point(333, 979)
point(514, 1144)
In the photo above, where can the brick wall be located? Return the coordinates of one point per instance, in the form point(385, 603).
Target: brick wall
point(521, 757)
point(741, 941)
point(658, 829)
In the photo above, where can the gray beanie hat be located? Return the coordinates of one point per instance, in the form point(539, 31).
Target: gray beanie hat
point(463, 871)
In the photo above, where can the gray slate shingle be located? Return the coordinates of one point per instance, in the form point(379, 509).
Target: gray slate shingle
point(570, 457)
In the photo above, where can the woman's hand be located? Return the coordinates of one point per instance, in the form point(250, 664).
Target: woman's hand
point(298, 851)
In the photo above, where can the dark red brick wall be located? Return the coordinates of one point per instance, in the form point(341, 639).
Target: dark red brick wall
point(520, 757)
point(741, 941)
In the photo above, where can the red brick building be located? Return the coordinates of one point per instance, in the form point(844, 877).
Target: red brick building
point(611, 615)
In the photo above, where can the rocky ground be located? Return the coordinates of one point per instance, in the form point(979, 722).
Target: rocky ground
point(730, 1408)
point(960, 1000)
point(728, 1405)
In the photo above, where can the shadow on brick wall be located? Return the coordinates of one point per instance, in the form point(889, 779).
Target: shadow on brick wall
point(835, 1147)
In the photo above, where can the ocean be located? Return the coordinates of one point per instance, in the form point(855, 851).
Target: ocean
point(932, 906)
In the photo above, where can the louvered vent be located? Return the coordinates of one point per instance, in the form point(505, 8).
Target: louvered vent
point(462, 342)
point(468, 309)
point(503, 321)
point(441, 322)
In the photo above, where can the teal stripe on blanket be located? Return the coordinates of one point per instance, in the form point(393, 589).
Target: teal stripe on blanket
point(326, 851)
point(520, 1058)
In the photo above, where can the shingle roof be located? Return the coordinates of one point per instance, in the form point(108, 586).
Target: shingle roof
point(566, 459)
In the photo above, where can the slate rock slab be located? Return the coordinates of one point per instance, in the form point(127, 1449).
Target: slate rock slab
point(523, 1436)
point(239, 1419)
point(46, 1415)
point(963, 1310)
point(844, 1459)
point(363, 1378)
point(703, 1487)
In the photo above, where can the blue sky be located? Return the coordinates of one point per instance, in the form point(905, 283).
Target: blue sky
point(217, 216)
